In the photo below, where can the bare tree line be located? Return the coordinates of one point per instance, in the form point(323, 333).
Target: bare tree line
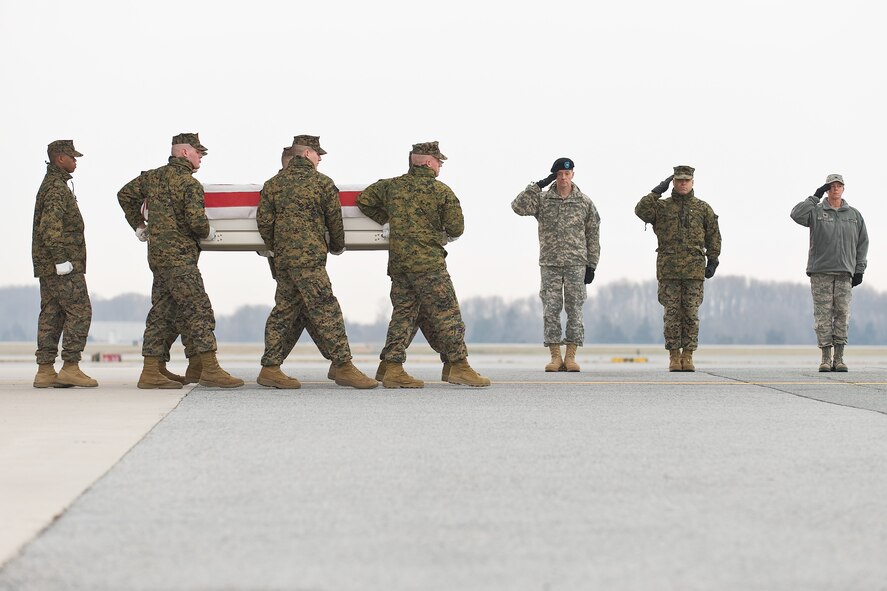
point(736, 310)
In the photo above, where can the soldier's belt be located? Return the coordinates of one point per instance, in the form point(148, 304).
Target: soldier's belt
point(231, 210)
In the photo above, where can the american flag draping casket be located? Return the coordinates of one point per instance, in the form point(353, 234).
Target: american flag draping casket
point(231, 210)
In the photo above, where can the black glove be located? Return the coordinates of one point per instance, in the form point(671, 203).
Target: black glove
point(546, 181)
point(663, 186)
point(589, 275)
point(821, 190)
point(710, 268)
point(857, 279)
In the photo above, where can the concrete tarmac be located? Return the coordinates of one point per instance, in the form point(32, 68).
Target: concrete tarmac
point(739, 476)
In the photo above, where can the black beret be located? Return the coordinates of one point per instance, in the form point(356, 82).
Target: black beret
point(563, 164)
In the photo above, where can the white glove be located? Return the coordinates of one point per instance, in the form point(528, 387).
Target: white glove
point(386, 230)
point(64, 268)
point(332, 252)
point(212, 234)
point(265, 253)
point(142, 233)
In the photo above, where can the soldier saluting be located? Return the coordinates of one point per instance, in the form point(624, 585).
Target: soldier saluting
point(689, 246)
point(839, 245)
point(569, 251)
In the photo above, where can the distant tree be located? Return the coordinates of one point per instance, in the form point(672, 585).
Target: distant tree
point(736, 310)
point(245, 325)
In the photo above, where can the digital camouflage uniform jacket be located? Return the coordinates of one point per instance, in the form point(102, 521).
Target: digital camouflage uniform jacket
point(421, 212)
point(57, 234)
point(569, 227)
point(297, 208)
point(687, 229)
point(176, 214)
point(131, 199)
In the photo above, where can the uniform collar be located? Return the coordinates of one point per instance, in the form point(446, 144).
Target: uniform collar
point(421, 171)
point(55, 170)
point(181, 163)
point(300, 162)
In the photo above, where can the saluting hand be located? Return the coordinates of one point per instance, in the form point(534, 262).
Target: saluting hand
point(546, 181)
point(663, 186)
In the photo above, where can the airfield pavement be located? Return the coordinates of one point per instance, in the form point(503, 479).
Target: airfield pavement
point(754, 472)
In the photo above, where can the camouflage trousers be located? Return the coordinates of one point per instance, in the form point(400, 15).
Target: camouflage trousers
point(169, 325)
point(563, 288)
point(299, 325)
point(831, 307)
point(423, 323)
point(433, 294)
point(681, 299)
point(64, 309)
point(305, 292)
point(179, 304)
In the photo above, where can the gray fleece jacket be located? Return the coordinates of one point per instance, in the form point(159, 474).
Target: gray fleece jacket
point(839, 241)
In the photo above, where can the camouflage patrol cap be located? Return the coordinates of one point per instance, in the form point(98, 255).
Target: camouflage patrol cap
point(428, 149)
point(834, 178)
point(62, 147)
point(683, 172)
point(312, 141)
point(191, 139)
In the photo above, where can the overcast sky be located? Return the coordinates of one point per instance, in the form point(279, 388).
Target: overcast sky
point(764, 98)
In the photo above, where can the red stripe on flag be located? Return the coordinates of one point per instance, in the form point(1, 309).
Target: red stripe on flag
point(251, 199)
point(348, 197)
point(244, 199)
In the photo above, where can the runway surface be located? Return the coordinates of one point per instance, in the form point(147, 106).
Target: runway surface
point(624, 476)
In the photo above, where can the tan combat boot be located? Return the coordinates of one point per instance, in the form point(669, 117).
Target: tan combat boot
point(331, 372)
point(826, 363)
point(570, 359)
point(273, 377)
point(839, 358)
point(674, 360)
point(153, 379)
point(213, 375)
point(556, 363)
point(46, 375)
point(380, 371)
point(195, 368)
point(70, 375)
point(445, 371)
point(170, 375)
point(687, 361)
point(348, 375)
point(461, 373)
point(396, 377)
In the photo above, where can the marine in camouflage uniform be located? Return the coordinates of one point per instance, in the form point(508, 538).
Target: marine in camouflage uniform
point(569, 251)
point(177, 222)
point(58, 252)
point(423, 323)
point(297, 208)
point(689, 246)
point(300, 323)
point(420, 211)
point(836, 262)
point(132, 199)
